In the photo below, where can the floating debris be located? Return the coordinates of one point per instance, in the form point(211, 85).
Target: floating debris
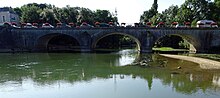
point(179, 67)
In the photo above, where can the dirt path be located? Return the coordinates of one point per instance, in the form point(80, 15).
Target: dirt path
point(204, 63)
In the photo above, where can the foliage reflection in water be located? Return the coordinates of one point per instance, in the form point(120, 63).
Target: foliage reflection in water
point(102, 76)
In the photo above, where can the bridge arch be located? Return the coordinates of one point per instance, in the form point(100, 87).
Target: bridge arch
point(98, 38)
point(194, 43)
point(58, 42)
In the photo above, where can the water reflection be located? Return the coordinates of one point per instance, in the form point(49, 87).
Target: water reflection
point(216, 80)
point(127, 57)
point(99, 75)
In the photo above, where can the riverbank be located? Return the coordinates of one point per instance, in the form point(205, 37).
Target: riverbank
point(204, 63)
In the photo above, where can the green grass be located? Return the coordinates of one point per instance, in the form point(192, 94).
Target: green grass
point(168, 49)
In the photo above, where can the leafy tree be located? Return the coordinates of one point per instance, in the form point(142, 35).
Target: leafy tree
point(170, 14)
point(189, 11)
point(185, 14)
point(18, 11)
point(47, 15)
point(199, 8)
point(213, 12)
point(66, 14)
point(216, 10)
point(195, 10)
point(32, 4)
point(40, 13)
point(85, 15)
point(217, 3)
point(155, 6)
point(156, 19)
point(103, 16)
point(41, 6)
point(150, 13)
point(72, 14)
point(30, 14)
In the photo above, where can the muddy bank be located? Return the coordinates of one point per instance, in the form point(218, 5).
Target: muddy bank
point(204, 63)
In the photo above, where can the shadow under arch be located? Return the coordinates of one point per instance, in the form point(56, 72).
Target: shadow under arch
point(57, 42)
point(138, 43)
point(194, 44)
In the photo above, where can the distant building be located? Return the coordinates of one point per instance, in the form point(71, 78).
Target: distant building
point(7, 14)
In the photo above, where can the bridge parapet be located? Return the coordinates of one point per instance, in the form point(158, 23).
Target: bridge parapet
point(27, 39)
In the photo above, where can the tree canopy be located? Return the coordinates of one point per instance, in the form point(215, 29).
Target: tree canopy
point(189, 11)
point(41, 13)
point(150, 13)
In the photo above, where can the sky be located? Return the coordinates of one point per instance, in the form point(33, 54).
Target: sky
point(128, 11)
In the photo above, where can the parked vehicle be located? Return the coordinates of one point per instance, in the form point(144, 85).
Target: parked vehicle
point(85, 25)
point(47, 25)
point(187, 24)
point(59, 25)
point(180, 26)
point(29, 25)
point(104, 25)
point(97, 24)
point(111, 24)
point(214, 25)
point(123, 24)
point(35, 25)
point(8, 24)
point(148, 24)
point(174, 24)
point(71, 24)
point(160, 24)
point(136, 25)
point(129, 25)
point(62, 25)
point(14, 25)
point(23, 24)
point(206, 23)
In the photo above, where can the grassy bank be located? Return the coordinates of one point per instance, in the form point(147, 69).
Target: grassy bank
point(168, 49)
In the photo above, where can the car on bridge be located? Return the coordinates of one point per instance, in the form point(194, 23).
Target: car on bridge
point(29, 25)
point(187, 24)
point(8, 24)
point(71, 24)
point(214, 25)
point(206, 24)
point(62, 25)
point(174, 24)
point(160, 25)
point(35, 24)
point(179, 25)
point(149, 24)
point(85, 25)
point(97, 24)
point(47, 25)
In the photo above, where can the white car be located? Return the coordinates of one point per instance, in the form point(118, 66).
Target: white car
point(206, 23)
point(47, 25)
point(85, 25)
point(29, 25)
point(214, 25)
point(180, 26)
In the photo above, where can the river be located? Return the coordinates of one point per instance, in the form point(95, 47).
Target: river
point(103, 75)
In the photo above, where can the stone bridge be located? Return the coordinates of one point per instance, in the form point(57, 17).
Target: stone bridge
point(36, 39)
